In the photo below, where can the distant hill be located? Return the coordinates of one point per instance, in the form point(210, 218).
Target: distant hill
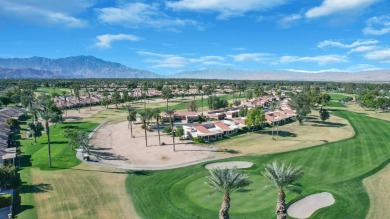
point(364, 76)
point(27, 73)
point(70, 67)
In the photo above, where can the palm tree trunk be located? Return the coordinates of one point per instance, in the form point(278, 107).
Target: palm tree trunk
point(273, 124)
point(131, 129)
point(281, 212)
point(277, 130)
point(48, 141)
point(158, 130)
point(224, 211)
point(146, 137)
point(167, 103)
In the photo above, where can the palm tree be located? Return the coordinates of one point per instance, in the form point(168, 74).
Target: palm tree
point(46, 117)
point(283, 177)
point(131, 118)
point(77, 95)
point(166, 94)
point(227, 181)
point(272, 107)
point(171, 113)
point(65, 101)
point(157, 116)
point(144, 117)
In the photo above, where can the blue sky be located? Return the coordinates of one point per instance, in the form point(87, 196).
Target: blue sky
point(169, 36)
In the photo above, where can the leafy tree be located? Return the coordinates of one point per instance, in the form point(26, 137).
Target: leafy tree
point(249, 94)
point(283, 178)
point(255, 117)
point(8, 176)
point(243, 111)
point(5, 100)
point(324, 114)
point(116, 98)
point(192, 106)
point(78, 139)
point(215, 102)
point(227, 181)
point(179, 131)
point(301, 103)
point(36, 129)
point(237, 102)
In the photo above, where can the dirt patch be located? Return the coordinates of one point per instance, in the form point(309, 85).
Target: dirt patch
point(114, 145)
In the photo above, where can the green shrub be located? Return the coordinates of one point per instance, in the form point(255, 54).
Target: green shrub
point(5, 200)
point(167, 129)
point(197, 140)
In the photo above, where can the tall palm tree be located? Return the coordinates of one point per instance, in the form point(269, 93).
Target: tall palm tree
point(283, 177)
point(272, 107)
point(171, 113)
point(46, 117)
point(144, 117)
point(227, 181)
point(157, 116)
point(131, 118)
point(65, 101)
point(166, 94)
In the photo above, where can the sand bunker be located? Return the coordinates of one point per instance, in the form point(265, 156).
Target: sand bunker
point(305, 207)
point(229, 165)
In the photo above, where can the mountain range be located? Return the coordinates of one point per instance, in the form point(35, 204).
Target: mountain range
point(69, 67)
point(92, 67)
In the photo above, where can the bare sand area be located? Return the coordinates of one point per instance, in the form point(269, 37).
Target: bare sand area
point(114, 145)
point(229, 165)
point(305, 207)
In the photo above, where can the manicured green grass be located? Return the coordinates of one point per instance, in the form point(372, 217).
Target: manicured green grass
point(337, 167)
point(50, 90)
point(335, 104)
point(35, 155)
point(335, 96)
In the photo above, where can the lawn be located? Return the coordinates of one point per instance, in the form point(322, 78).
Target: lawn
point(335, 104)
point(50, 90)
point(337, 167)
point(337, 96)
point(34, 157)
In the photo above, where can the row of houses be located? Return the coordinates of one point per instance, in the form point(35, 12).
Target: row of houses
point(7, 148)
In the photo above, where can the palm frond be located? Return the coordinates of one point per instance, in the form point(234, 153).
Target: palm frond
point(227, 180)
point(282, 175)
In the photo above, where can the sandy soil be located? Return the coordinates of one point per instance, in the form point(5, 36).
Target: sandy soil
point(114, 145)
point(305, 207)
point(74, 114)
point(229, 165)
point(378, 187)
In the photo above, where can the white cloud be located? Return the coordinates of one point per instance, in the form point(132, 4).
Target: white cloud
point(106, 39)
point(329, 7)
point(176, 61)
point(141, 14)
point(377, 25)
point(47, 12)
point(382, 55)
point(239, 49)
point(288, 20)
point(331, 43)
point(363, 49)
point(225, 8)
point(312, 72)
point(321, 60)
point(258, 57)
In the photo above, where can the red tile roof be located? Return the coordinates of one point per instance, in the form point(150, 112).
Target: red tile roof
point(201, 128)
point(222, 126)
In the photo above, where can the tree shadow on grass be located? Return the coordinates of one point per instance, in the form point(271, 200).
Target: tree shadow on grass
point(327, 124)
point(35, 188)
point(140, 172)
point(280, 134)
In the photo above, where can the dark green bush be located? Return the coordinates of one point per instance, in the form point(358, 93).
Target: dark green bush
point(5, 200)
